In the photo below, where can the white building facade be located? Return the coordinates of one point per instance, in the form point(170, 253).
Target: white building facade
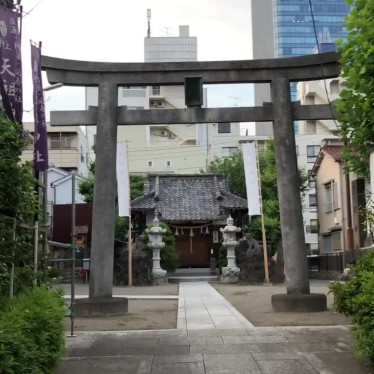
point(168, 148)
point(68, 148)
point(312, 136)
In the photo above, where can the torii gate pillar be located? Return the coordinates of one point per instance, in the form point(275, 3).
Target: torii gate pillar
point(101, 277)
point(298, 297)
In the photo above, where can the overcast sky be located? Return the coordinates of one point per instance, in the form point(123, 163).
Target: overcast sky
point(114, 30)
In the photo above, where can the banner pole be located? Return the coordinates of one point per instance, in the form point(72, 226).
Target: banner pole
point(130, 253)
point(129, 232)
point(264, 243)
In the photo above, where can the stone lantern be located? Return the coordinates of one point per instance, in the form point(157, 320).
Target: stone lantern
point(230, 273)
point(155, 243)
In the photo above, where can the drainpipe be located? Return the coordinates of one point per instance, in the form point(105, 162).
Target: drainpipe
point(350, 243)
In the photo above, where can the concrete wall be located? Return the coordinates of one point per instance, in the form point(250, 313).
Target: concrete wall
point(314, 92)
point(64, 192)
point(171, 48)
point(261, 19)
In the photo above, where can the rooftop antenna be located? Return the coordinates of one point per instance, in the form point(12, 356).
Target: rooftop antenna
point(166, 30)
point(149, 23)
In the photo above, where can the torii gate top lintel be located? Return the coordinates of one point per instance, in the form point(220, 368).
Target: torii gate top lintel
point(90, 73)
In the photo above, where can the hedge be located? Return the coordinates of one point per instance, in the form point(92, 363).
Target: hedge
point(355, 299)
point(31, 332)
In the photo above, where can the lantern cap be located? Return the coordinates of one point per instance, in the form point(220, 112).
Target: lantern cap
point(230, 221)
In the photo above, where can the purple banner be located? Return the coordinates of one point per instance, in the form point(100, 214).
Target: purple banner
point(40, 133)
point(10, 63)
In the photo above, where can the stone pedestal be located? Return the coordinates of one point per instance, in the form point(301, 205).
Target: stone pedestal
point(312, 302)
point(230, 273)
point(155, 243)
point(101, 307)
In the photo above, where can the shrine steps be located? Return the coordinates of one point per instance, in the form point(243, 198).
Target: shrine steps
point(193, 275)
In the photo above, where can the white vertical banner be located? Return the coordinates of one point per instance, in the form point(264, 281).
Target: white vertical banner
point(251, 179)
point(123, 181)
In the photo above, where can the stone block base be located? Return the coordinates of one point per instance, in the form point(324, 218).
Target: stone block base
point(114, 306)
point(229, 279)
point(160, 281)
point(314, 302)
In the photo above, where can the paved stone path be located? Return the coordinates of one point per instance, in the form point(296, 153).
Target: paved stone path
point(200, 306)
point(205, 343)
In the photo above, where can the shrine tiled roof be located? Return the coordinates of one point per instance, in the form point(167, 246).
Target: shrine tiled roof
point(197, 197)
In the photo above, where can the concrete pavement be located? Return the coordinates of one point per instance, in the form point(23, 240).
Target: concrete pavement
point(212, 337)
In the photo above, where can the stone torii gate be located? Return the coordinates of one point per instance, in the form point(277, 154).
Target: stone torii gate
point(278, 72)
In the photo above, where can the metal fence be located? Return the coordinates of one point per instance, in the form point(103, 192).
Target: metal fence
point(334, 262)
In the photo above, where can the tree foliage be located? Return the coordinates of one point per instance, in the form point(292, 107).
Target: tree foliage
point(268, 176)
point(233, 168)
point(86, 186)
point(18, 204)
point(356, 103)
point(355, 299)
point(17, 198)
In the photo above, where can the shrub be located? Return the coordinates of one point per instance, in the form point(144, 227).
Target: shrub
point(355, 299)
point(31, 332)
point(169, 257)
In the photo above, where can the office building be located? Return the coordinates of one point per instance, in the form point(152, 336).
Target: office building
point(292, 23)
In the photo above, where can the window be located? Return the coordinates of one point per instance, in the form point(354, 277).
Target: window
point(312, 183)
point(156, 90)
point(82, 154)
point(149, 164)
point(334, 87)
point(326, 244)
point(59, 141)
point(313, 226)
point(224, 128)
point(228, 151)
point(312, 201)
point(311, 128)
point(332, 197)
point(335, 196)
point(168, 163)
point(336, 241)
point(312, 152)
point(328, 197)
point(133, 92)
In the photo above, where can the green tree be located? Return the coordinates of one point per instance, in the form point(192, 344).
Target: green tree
point(86, 186)
point(17, 204)
point(355, 298)
point(233, 168)
point(17, 199)
point(355, 106)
